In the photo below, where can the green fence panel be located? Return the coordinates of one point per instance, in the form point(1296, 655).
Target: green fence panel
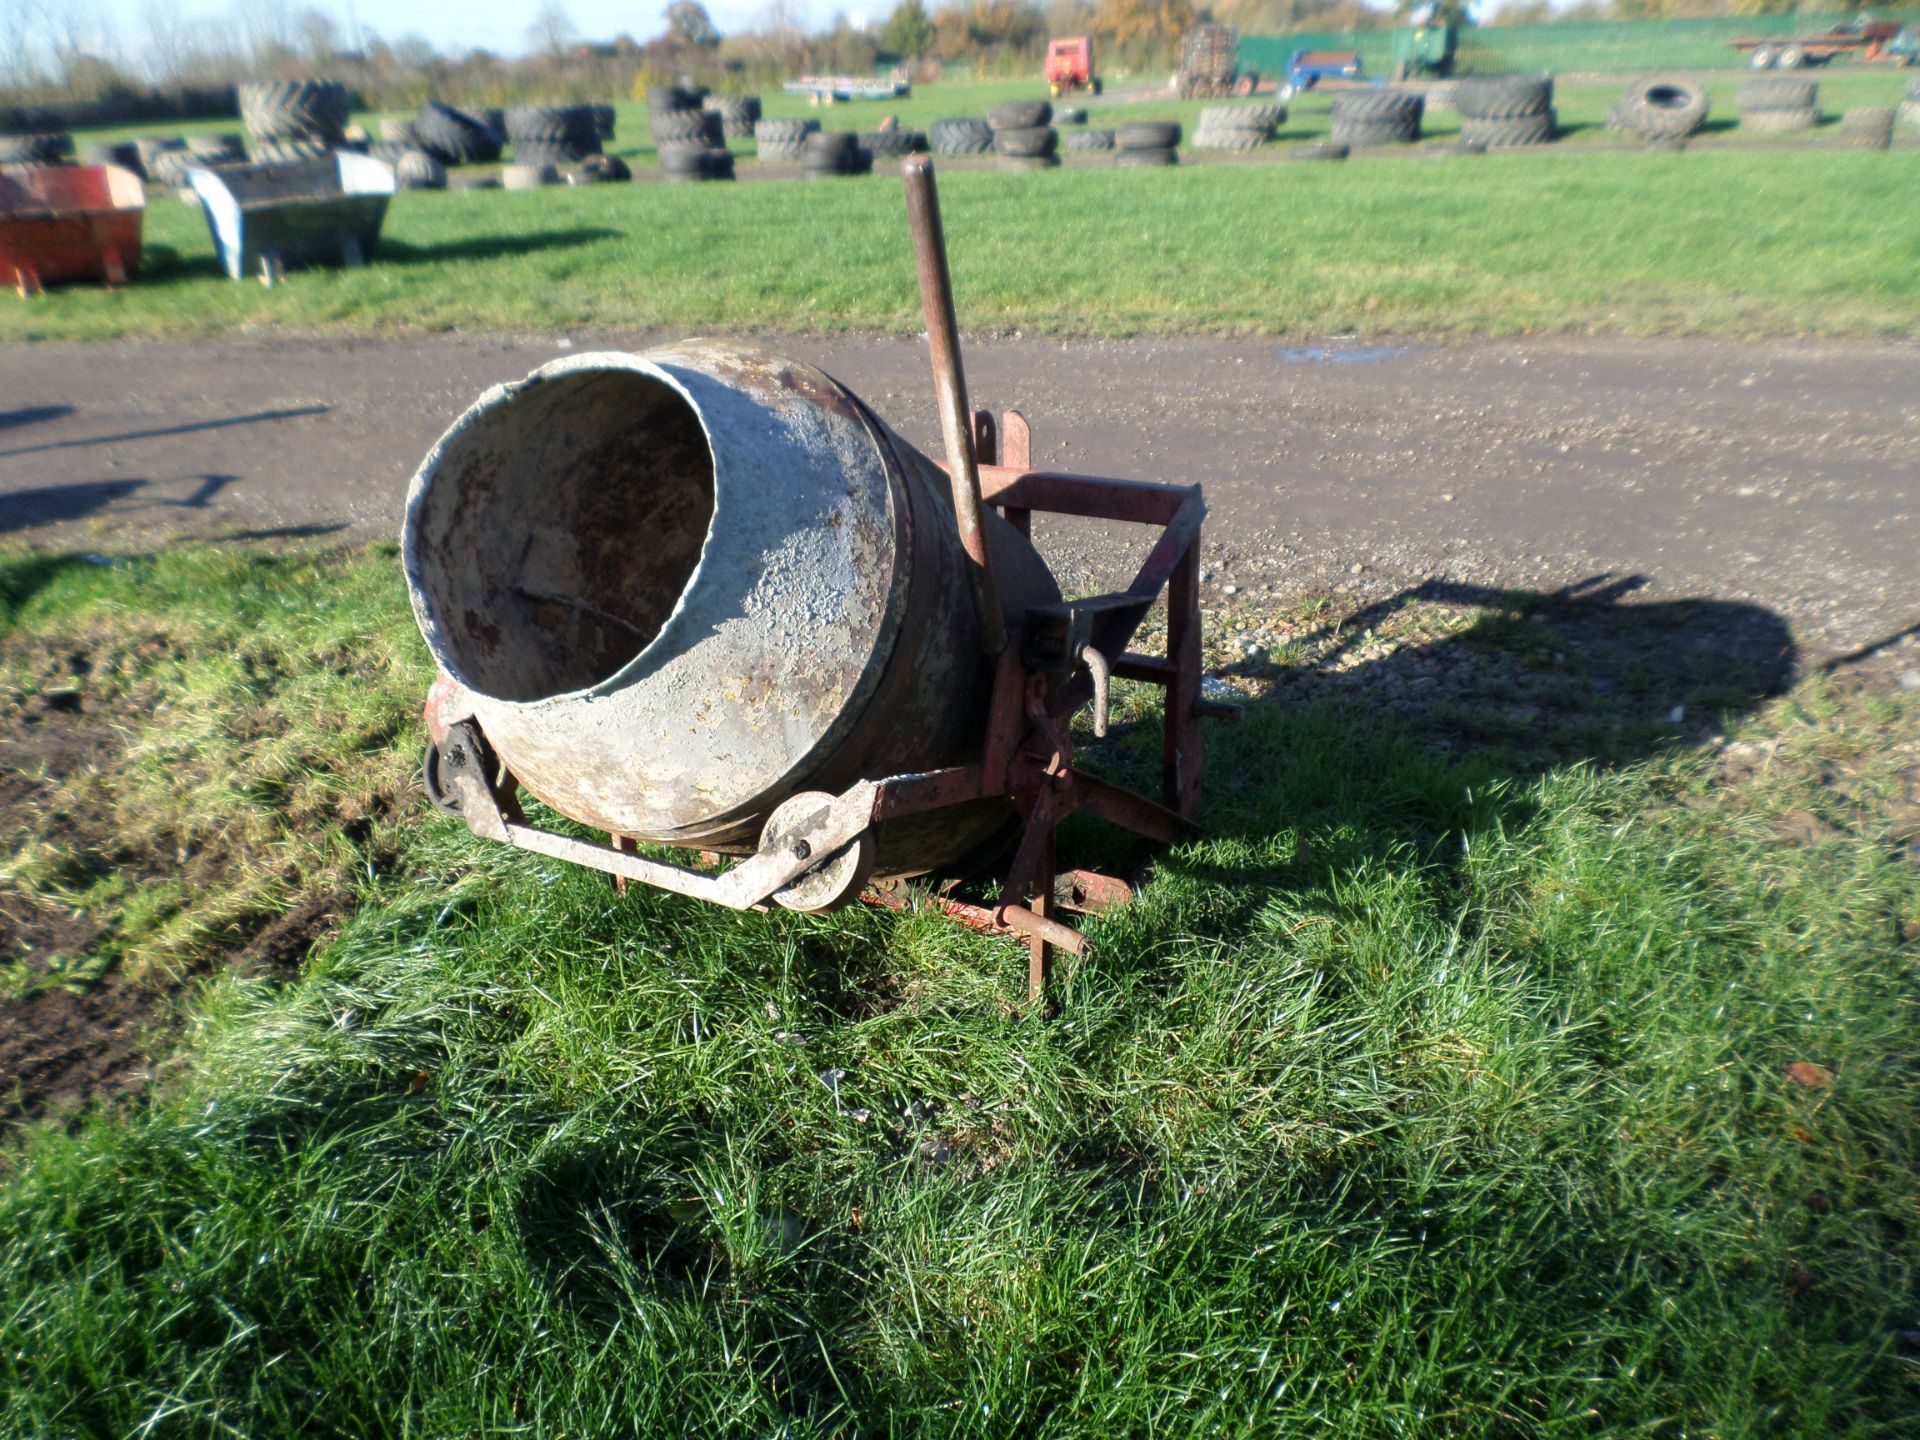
point(1601, 46)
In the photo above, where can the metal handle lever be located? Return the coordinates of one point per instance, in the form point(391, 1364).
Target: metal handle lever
point(950, 389)
point(1102, 674)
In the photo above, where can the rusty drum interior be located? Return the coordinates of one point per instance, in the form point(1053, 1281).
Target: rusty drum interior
point(557, 529)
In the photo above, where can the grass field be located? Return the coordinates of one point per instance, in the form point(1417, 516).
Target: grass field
point(1733, 240)
point(1477, 1075)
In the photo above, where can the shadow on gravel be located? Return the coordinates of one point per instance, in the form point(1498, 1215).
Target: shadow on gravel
point(491, 247)
point(55, 504)
point(33, 415)
point(1580, 674)
point(190, 427)
point(1439, 738)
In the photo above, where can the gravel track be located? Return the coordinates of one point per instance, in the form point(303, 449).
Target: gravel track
point(1781, 474)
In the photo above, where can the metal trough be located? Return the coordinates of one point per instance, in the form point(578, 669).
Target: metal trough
point(268, 219)
point(70, 223)
point(703, 597)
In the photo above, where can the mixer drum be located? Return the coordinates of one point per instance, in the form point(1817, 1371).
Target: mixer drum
point(683, 585)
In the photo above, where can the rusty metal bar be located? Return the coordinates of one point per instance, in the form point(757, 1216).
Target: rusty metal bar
point(1096, 497)
point(1181, 762)
point(1129, 811)
point(950, 390)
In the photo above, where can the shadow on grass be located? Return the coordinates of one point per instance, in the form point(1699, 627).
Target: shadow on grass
point(1439, 740)
point(490, 247)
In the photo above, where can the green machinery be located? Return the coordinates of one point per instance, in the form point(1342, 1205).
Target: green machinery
point(1424, 48)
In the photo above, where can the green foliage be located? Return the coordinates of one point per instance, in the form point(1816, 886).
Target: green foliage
point(908, 32)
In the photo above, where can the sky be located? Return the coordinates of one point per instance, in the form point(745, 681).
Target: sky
point(499, 25)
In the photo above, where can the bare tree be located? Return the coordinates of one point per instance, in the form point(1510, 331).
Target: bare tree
point(319, 37)
point(167, 44)
point(19, 60)
point(551, 30)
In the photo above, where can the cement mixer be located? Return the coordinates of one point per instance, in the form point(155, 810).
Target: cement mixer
point(703, 597)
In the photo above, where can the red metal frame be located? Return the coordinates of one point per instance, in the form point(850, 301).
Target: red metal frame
point(1056, 661)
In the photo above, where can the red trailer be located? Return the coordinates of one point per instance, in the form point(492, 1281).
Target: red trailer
point(1070, 65)
point(69, 223)
point(1870, 39)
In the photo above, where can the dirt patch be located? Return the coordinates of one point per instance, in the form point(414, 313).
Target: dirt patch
point(75, 1029)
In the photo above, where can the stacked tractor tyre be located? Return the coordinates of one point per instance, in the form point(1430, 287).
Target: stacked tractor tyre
point(1778, 103)
point(1378, 116)
point(1147, 143)
point(691, 140)
point(1237, 127)
point(960, 137)
point(278, 111)
point(738, 114)
point(782, 142)
point(1661, 109)
point(1501, 111)
point(556, 135)
point(1023, 135)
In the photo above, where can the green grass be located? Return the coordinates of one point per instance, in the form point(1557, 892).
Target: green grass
point(1732, 241)
point(1441, 1090)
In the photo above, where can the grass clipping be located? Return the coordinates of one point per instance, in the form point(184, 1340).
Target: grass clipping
point(1436, 1091)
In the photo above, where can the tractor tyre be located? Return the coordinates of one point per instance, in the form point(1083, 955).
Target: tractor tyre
point(1143, 157)
point(1027, 143)
point(417, 170)
point(684, 127)
point(454, 137)
point(1379, 106)
point(1087, 140)
point(555, 129)
point(1502, 97)
point(1505, 134)
point(291, 152)
point(890, 144)
point(1779, 122)
point(1776, 92)
point(1222, 137)
point(1870, 129)
point(960, 137)
point(1019, 114)
point(1147, 135)
point(1069, 115)
point(662, 98)
point(737, 114)
point(528, 177)
point(1363, 134)
point(1662, 107)
point(295, 110)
